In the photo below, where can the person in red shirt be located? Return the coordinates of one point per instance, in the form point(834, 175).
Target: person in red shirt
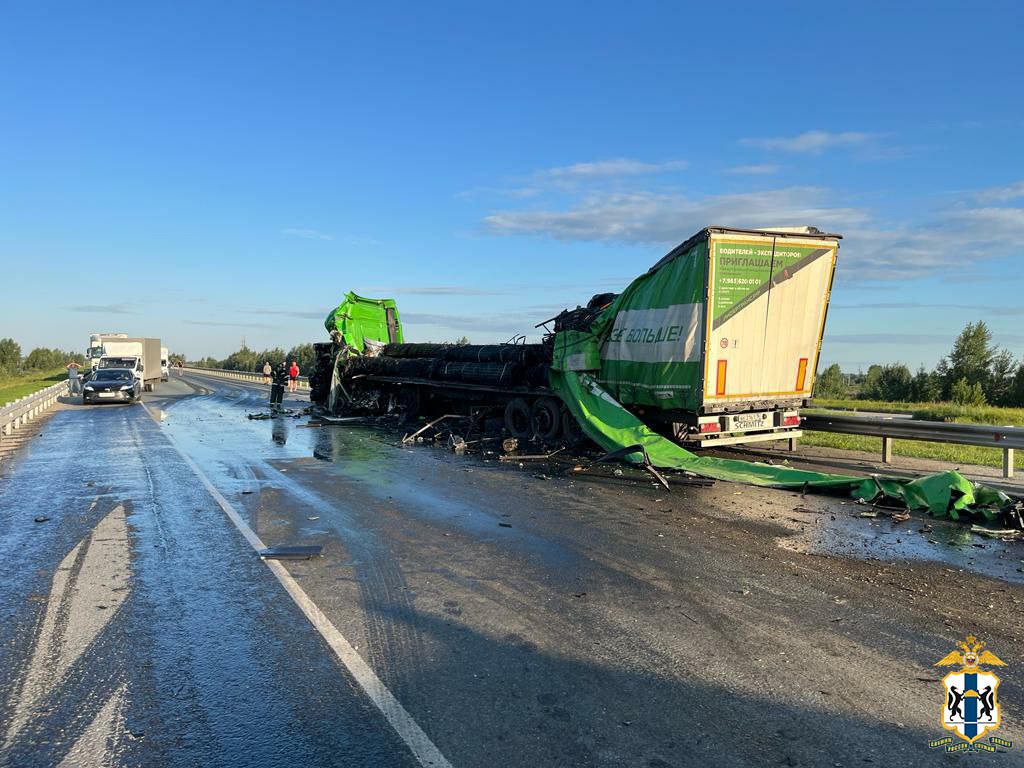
point(293, 375)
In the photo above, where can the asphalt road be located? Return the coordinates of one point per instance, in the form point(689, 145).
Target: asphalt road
point(465, 611)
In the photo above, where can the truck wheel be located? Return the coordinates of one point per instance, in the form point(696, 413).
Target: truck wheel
point(546, 419)
point(518, 419)
point(574, 434)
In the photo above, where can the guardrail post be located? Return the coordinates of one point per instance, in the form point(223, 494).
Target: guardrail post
point(887, 450)
point(1007, 462)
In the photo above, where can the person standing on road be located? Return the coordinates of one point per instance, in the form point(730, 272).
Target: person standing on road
point(74, 383)
point(277, 388)
point(293, 375)
point(267, 371)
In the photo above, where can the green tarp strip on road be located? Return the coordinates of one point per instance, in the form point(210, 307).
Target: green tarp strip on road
point(613, 427)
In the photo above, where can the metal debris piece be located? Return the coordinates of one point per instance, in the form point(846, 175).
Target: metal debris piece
point(532, 457)
point(291, 553)
point(631, 449)
point(330, 421)
point(994, 533)
point(428, 425)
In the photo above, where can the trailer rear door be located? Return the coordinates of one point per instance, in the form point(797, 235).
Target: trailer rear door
point(767, 297)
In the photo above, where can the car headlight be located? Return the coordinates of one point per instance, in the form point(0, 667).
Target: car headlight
point(88, 387)
point(126, 386)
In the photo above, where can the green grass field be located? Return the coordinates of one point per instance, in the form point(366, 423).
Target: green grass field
point(964, 414)
point(953, 454)
point(19, 386)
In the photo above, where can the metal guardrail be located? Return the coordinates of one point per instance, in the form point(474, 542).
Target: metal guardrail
point(257, 378)
point(1006, 439)
point(25, 409)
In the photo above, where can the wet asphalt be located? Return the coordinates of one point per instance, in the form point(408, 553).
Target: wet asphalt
point(523, 614)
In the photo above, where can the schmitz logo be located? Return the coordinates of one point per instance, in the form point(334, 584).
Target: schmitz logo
point(970, 707)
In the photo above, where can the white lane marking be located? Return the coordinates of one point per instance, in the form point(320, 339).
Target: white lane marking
point(422, 748)
point(96, 745)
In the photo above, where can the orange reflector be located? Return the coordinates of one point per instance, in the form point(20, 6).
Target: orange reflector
point(801, 374)
point(720, 380)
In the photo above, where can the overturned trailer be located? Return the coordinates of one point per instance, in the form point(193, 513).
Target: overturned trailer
point(717, 343)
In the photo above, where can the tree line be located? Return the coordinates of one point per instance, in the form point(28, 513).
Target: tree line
point(39, 359)
point(246, 359)
point(975, 372)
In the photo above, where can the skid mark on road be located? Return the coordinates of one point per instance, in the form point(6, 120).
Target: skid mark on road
point(422, 748)
point(88, 589)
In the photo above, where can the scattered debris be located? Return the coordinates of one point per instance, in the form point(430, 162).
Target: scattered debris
point(868, 514)
point(412, 437)
point(532, 457)
point(900, 517)
point(509, 445)
point(505, 525)
point(42, 519)
point(334, 420)
point(291, 553)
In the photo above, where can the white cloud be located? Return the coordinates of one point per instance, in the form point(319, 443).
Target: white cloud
point(809, 142)
point(619, 166)
point(996, 222)
point(307, 234)
point(645, 217)
point(1001, 194)
point(759, 169)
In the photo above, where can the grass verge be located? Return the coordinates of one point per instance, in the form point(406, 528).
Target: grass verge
point(957, 455)
point(19, 386)
point(962, 414)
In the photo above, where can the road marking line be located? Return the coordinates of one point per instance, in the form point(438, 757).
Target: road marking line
point(71, 621)
point(422, 748)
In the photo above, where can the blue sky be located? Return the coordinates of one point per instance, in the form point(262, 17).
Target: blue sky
point(206, 172)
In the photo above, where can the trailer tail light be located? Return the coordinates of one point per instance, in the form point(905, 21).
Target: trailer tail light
point(720, 378)
point(710, 426)
point(791, 421)
point(801, 374)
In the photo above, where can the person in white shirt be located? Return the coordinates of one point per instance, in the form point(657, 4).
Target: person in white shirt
point(74, 383)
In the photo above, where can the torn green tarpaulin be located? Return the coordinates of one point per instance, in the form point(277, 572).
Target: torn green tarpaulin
point(613, 427)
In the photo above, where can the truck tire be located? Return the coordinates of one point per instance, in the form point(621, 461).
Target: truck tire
point(518, 419)
point(574, 435)
point(546, 419)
